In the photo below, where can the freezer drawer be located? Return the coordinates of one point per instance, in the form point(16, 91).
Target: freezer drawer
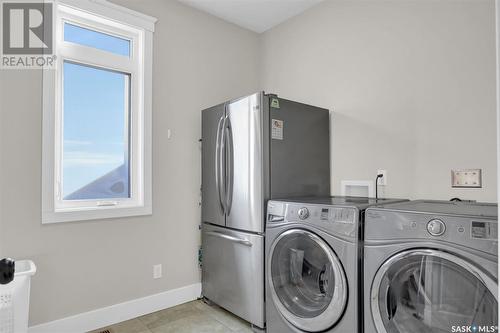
point(233, 272)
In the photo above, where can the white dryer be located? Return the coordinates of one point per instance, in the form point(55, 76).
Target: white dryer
point(431, 266)
point(312, 264)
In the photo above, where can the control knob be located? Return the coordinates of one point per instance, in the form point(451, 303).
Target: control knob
point(436, 227)
point(303, 213)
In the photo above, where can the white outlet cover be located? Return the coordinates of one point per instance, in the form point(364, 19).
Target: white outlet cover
point(383, 180)
point(157, 271)
point(469, 178)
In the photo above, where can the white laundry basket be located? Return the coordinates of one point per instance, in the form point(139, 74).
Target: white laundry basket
point(15, 299)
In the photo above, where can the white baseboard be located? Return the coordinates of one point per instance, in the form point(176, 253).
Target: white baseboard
point(113, 314)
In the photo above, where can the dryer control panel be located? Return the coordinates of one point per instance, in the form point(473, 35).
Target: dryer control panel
point(478, 233)
point(484, 230)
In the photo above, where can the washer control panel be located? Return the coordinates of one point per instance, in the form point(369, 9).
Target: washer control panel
point(318, 213)
point(332, 219)
point(338, 215)
point(336, 220)
point(436, 227)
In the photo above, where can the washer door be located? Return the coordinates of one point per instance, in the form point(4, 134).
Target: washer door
point(308, 283)
point(431, 291)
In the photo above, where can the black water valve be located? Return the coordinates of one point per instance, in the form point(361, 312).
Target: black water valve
point(7, 270)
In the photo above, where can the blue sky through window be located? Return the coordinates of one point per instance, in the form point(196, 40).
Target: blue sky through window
point(95, 127)
point(98, 40)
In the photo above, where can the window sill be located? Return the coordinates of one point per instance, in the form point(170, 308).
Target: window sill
point(49, 217)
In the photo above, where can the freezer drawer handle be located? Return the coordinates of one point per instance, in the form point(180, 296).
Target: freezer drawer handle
point(230, 238)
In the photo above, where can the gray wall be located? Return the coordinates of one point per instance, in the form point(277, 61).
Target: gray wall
point(198, 61)
point(412, 84)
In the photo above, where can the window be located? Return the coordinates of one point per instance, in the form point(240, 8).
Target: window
point(97, 114)
point(80, 35)
point(95, 149)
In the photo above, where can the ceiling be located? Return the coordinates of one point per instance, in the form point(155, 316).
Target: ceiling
point(255, 15)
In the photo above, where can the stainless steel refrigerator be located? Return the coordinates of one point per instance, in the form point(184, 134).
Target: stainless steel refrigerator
point(254, 149)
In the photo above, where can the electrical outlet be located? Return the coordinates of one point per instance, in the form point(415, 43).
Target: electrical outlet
point(466, 178)
point(157, 271)
point(382, 181)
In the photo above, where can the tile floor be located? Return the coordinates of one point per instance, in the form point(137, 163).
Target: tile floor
point(192, 317)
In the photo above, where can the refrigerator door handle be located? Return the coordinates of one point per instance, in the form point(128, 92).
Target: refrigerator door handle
point(223, 163)
point(219, 162)
point(230, 166)
point(242, 241)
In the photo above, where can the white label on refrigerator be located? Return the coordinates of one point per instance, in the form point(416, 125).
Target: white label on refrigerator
point(277, 129)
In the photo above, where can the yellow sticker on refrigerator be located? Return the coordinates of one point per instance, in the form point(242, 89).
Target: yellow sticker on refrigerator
point(275, 103)
point(277, 129)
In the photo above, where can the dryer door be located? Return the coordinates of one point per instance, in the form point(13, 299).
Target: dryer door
point(308, 283)
point(432, 291)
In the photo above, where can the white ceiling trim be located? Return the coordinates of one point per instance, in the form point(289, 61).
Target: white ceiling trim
point(255, 15)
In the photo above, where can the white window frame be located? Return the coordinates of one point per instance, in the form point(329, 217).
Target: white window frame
point(105, 17)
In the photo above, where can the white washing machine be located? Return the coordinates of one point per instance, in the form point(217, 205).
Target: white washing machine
point(431, 266)
point(312, 265)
